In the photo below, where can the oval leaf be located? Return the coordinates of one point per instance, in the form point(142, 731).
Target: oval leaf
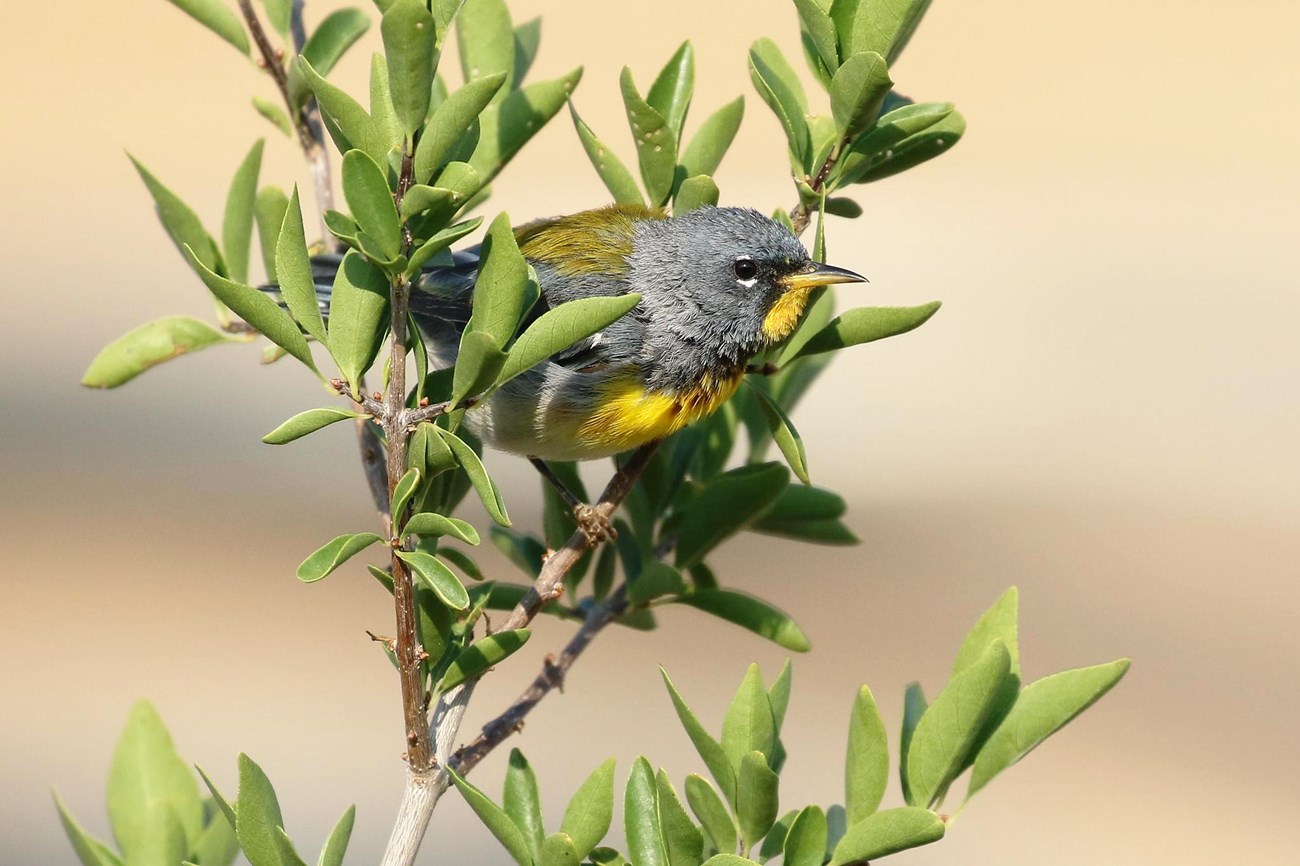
point(150, 345)
point(866, 324)
point(656, 143)
point(704, 153)
point(858, 90)
point(617, 179)
point(495, 819)
point(887, 832)
point(522, 803)
point(484, 653)
point(437, 577)
point(478, 363)
point(562, 326)
point(695, 192)
point(450, 121)
point(337, 843)
point(507, 125)
point(147, 778)
point(784, 435)
point(347, 122)
point(427, 523)
point(365, 186)
point(752, 613)
point(756, 798)
point(588, 815)
point(726, 505)
point(483, 485)
point(670, 95)
point(358, 316)
point(333, 36)
point(237, 225)
point(408, 32)
point(712, 813)
point(641, 823)
point(333, 554)
point(217, 17)
point(779, 87)
point(502, 291)
point(805, 843)
point(294, 272)
point(308, 422)
point(866, 768)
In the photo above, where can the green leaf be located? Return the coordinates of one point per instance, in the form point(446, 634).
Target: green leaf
point(866, 768)
point(222, 803)
point(279, 13)
point(503, 291)
point(237, 226)
point(695, 192)
point(439, 578)
point(308, 422)
point(333, 36)
point(496, 820)
point(258, 310)
point(347, 122)
point(728, 860)
point(383, 112)
point(485, 38)
point(1042, 709)
point(217, 17)
point(914, 706)
point(269, 210)
point(783, 433)
point(560, 327)
point(832, 532)
point(273, 113)
point(478, 364)
point(642, 826)
point(337, 843)
point(865, 324)
point(778, 695)
point(358, 316)
point(805, 843)
point(165, 844)
point(717, 823)
point(588, 815)
point(182, 224)
point(670, 95)
point(148, 777)
point(90, 851)
point(878, 156)
point(751, 613)
point(402, 493)
point(483, 484)
point(709, 749)
point(887, 832)
point(616, 177)
point(294, 271)
point(528, 38)
point(756, 797)
point(749, 725)
point(865, 25)
point(450, 121)
point(521, 801)
point(816, 23)
point(727, 504)
point(656, 143)
point(607, 857)
point(558, 850)
point(259, 818)
point(439, 242)
point(408, 32)
point(365, 186)
point(998, 623)
point(333, 554)
point(428, 523)
point(774, 841)
point(682, 839)
point(655, 580)
point(857, 92)
point(509, 123)
point(217, 845)
point(150, 345)
point(945, 733)
point(779, 87)
point(704, 153)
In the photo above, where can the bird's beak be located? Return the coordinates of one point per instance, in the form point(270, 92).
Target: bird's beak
point(818, 274)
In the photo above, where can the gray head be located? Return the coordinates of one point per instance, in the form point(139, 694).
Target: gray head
point(720, 285)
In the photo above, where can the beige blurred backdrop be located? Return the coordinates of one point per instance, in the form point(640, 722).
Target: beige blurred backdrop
point(1104, 413)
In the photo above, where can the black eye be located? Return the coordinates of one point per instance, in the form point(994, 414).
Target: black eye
point(745, 268)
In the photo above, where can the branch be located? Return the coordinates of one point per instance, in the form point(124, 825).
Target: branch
point(800, 215)
point(370, 404)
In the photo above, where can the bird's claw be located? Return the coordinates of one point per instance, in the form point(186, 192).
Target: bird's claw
point(594, 525)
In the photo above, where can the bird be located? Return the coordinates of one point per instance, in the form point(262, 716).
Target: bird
point(718, 285)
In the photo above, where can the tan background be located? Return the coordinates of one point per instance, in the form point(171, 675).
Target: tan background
point(1104, 413)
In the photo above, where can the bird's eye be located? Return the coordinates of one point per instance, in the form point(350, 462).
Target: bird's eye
point(745, 268)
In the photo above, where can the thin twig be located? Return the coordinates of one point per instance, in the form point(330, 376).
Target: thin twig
point(799, 214)
point(372, 406)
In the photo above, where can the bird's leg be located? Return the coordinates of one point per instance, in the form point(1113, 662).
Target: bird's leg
point(593, 524)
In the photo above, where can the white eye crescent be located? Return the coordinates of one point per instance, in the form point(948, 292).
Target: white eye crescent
point(746, 271)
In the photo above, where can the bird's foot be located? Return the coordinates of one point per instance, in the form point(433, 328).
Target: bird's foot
point(593, 524)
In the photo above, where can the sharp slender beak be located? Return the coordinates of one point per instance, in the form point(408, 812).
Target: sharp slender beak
point(818, 274)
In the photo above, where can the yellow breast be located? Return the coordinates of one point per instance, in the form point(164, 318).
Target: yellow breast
point(629, 415)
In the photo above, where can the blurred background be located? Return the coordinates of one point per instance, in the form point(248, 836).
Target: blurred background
point(1103, 413)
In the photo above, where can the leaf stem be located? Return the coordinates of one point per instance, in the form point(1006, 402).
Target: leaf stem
point(800, 215)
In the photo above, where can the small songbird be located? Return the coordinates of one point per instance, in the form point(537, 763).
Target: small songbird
point(717, 286)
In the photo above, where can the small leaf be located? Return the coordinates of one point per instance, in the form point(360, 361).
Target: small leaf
point(656, 143)
point(237, 225)
point(273, 113)
point(294, 271)
point(508, 124)
point(222, 803)
point(478, 364)
point(337, 843)
point(784, 435)
point(217, 17)
point(695, 192)
point(1042, 709)
point(437, 577)
point(865, 324)
point(876, 157)
point(728, 860)
point(884, 28)
point(778, 695)
point(712, 813)
point(944, 735)
point(655, 580)
point(90, 851)
point(751, 613)
point(451, 120)
point(805, 843)
point(336, 552)
point(749, 725)
point(887, 832)
point(259, 817)
point(558, 850)
point(308, 422)
point(333, 36)
point(501, 292)
point(644, 831)
point(588, 815)
point(682, 839)
point(774, 841)
point(528, 37)
point(522, 803)
point(358, 316)
point(670, 95)
point(347, 122)
point(858, 91)
point(483, 484)
point(756, 797)
point(562, 326)
point(258, 310)
point(726, 505)
point(704, 153)
point(269, 210)
point(365, 187)
point(815, 21)
point(866, 768)
point(148, 777)
point(402, 493)
point(408, 32)
point(439, 242)
point(709, 749)
point(779, 87)
point(496, 820)
point(428, 523)
point(485, 37)
point(217, 845)
point(914, 706)
point(182, 224)
point(279, 13)
point(150, 345)
point(616, 177)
